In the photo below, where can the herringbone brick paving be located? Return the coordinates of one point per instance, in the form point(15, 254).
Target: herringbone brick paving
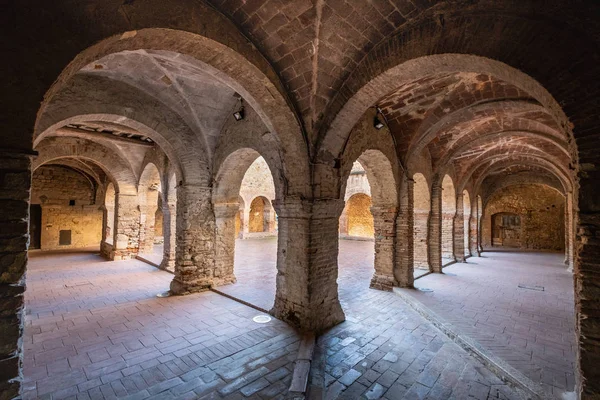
point(96, 330)
point(532, 330)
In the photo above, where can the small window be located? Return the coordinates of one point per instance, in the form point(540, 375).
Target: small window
point(64, 238)
point(71, 202)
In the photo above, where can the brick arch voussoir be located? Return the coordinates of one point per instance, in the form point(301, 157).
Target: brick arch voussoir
point(117, 169)
point(489, 166)
point(545, 178)
point(426, 48)
point(465, 145)
point(289, 173)
point(375, 151)
point(424, 136)
point(230, 172)
point(467, 171)
point(231, 58)
point(91, 98)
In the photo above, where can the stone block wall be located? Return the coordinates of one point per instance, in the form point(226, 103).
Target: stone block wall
point(84, 222)
point(54, 188)
point(541, 211)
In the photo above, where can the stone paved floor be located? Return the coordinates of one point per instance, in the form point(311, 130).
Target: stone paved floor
point(156, 256)
point(255, 267)
point(532, 330)
point(384, 349)
point(96, 330)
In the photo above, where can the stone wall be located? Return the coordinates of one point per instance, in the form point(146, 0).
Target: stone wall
point(55, 188)
point(257, 191)
point(541, 211)
point(359, 218)
point(356, 219)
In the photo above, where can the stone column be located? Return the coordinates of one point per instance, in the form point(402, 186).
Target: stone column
point(127, 227)
point(246, 222)
point(15, 184)
point(169, 231)
point(225, 244)
point(405, 244)
point(195, 254)
point(307, 292)
point(435, 229)
point(459, 229)
point(148, 204)
point(384, 219)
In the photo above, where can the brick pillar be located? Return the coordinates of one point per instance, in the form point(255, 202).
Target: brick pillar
point(404, 270)
point(459, 229)
point(479, 219)
point(225, 244)
point(15, 184)
point(569, 231)
point(435, 229)
point(343, 227)
point(587, 284)
point(307, 292)
point(127, 227)
point(384, 219)
point(169, 231)
point(474, 232)
point(195, 253)
point(246, 222)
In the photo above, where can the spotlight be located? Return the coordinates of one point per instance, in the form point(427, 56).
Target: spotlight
point(239, 114)
point(377, 123)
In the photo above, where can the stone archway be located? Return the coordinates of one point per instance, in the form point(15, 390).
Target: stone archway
point(149, 192)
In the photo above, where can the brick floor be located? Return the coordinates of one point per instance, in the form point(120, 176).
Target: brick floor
point(96, 330)
point(531, 330)
point(255, 266)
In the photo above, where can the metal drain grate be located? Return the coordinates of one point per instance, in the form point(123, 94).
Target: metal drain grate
point(531, 287)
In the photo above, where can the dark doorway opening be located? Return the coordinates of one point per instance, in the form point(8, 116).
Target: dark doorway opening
point(35, 226)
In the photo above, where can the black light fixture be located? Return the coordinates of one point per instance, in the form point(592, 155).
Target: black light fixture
point(239, 114)
point(377, 123)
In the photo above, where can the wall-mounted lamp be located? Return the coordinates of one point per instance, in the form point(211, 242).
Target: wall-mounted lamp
point(239, 114)
point(377, 123)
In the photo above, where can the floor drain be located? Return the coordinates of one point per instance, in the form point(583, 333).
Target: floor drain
point(261, 319)
point(164, 294)
point(423, 289)
point(531, 287)
point(76, 284)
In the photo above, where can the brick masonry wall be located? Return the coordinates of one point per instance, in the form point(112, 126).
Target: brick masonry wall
point(53, 187)
point(541, 210)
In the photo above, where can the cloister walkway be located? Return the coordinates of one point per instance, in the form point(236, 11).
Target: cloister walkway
point(95, 329)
